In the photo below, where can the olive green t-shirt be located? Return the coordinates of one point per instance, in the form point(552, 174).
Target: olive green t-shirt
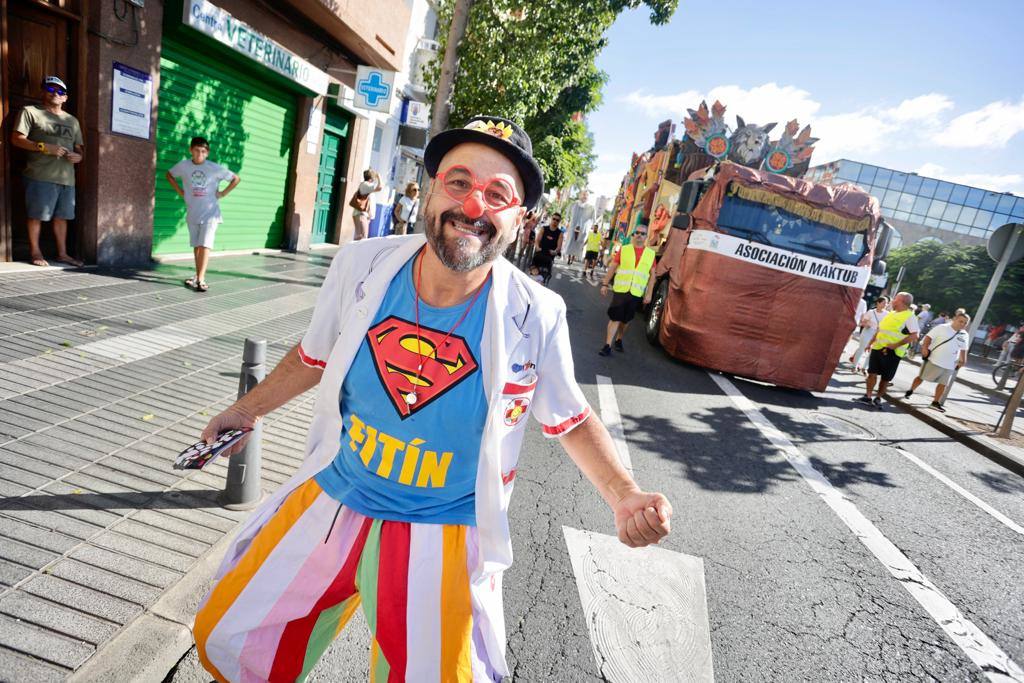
point(39, 125)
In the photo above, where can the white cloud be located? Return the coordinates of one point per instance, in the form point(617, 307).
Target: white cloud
point(850, 135)
point(917, 123)
point(844, 134)
point(991, 126)
point(1008, 182)
point(760, 104)
point(606, 182)
point(922, 108)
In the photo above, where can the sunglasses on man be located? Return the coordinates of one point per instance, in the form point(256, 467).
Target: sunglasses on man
point(56, 90)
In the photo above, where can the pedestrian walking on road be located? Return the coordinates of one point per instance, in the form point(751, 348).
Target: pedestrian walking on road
point(363, 205)
point(200, 188)
point(547, 245)
point(631, 269)
point(868, 325)
point(527, 235)
point(53, 139)
point(593, 248)
point(430, 352)
point(944, 351)
point(581, 217)
point(897, 330)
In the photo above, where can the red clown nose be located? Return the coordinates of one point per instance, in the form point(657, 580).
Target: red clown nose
point(473, 207)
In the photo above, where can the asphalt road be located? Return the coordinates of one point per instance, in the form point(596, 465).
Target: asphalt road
point(792, 592)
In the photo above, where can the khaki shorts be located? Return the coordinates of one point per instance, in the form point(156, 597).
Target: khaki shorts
point(930, 372)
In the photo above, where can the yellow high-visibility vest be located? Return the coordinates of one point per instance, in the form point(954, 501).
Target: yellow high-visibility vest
point(593, 241)
point(890, 331)
point(631, 276)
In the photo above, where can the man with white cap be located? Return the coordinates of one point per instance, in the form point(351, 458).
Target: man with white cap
point(53, 139)
point(430, 351)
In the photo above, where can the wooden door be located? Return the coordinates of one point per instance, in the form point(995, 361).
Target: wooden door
point(326, 207)
point(37, 46)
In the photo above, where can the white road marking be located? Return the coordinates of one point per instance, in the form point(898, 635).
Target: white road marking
point(613, 420)
point(994, 663)
point(646, 609)
point(1003, 519)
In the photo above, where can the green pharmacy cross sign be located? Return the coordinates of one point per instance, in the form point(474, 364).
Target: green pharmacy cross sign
point(373, 89)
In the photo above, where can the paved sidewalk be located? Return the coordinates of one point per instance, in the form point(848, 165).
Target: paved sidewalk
point(972, 411)
point(104, 377)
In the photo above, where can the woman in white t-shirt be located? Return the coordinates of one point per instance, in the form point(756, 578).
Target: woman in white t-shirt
point(406, 208)
point(868, 324)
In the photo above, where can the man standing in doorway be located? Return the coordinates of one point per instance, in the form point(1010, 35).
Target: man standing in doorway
point(430, 353)
point(897, 331)
point(200, 188)
point(631, 269)
point(54, 141)
point(944, 351)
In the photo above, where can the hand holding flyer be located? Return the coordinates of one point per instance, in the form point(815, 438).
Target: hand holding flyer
point(197, 456)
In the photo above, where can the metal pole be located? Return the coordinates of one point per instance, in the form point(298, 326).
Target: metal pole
point(993, 284)
point(242, 490)
point(899, 281)
point(1006, 421)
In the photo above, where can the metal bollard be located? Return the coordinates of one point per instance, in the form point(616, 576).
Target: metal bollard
point(242, 490)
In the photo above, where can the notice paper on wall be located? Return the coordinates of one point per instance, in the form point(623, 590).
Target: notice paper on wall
point(131, 101)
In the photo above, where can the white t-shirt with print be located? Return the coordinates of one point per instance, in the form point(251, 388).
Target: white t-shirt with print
point(201, 182)
point(946, 356)
point(874, 316)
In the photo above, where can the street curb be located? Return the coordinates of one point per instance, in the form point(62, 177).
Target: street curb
point(976, 441)
point(149, 647)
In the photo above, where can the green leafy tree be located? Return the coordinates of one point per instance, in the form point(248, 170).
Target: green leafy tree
point(951, 276)
point(533, 62)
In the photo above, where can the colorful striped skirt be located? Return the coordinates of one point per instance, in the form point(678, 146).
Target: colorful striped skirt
point(274, 613)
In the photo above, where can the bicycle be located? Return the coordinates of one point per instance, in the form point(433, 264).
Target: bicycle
point(1002, 373)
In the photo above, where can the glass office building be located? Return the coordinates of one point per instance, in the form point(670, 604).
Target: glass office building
point(908, 197)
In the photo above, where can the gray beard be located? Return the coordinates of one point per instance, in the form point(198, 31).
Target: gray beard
point(454, 252)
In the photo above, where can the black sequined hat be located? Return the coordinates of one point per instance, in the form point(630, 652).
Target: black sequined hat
point(499, 134)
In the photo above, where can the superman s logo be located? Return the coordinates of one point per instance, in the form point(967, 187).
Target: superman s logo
point(398, 354)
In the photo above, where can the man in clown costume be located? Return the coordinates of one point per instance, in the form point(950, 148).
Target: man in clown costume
point(429, 352)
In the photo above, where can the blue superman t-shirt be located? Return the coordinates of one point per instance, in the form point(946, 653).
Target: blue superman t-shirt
point(413, 461)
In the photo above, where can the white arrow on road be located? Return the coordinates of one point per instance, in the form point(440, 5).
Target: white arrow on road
point(646, 609)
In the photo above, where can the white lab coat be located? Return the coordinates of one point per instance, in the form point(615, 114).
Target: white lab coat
point(525, 324)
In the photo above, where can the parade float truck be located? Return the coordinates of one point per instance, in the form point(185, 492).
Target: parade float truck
point(761, 272)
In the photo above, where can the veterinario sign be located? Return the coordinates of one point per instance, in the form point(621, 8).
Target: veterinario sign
point(207, 18)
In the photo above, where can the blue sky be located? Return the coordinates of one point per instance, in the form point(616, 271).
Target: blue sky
point(933, 87)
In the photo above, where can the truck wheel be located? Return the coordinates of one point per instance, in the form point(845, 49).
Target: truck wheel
point(655, 312)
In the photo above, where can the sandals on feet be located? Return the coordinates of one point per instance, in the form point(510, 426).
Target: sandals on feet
point(191, 282)
point(201, 286)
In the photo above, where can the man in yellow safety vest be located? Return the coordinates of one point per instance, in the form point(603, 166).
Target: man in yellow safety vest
point(593, 249)
point(896, 332)
point(631, 267)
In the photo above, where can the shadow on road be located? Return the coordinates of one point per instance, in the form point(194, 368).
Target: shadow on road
point(732, 454)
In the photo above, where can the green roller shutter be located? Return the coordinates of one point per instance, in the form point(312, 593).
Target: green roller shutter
point(250, 125)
